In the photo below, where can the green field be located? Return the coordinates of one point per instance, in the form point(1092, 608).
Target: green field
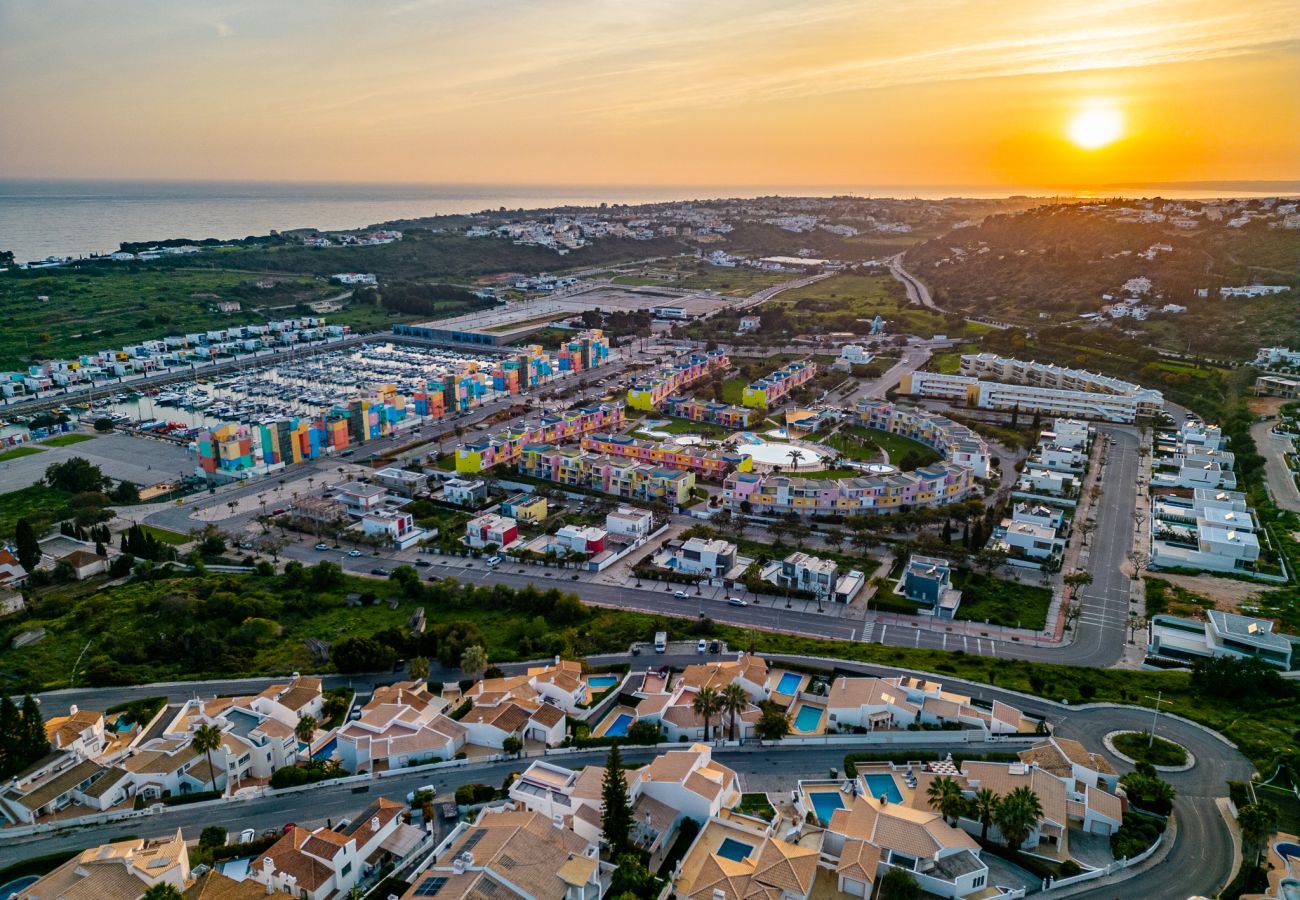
point(37, 501)
point(19, 452)
point(1001, 602)
point(66, 440)
point(683, 426)
point(689, 273)
point(175, 538)
point(850, 302)
point(864, 445)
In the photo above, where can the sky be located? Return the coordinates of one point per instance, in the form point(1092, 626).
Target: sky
point(681, 92)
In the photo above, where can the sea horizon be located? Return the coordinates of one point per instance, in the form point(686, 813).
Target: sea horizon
point(42, 217)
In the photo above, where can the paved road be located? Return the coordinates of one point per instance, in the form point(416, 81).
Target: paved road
point(917, 292)
point(1199, 862)
point(1281, 483)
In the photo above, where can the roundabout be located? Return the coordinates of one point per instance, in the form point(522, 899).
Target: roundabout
point(1130, 747)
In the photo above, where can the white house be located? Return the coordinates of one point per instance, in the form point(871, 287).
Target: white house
point(395, 526)
point(631, 523)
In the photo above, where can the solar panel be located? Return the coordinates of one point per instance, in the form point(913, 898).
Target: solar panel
point(430, 887)
point(472, 841)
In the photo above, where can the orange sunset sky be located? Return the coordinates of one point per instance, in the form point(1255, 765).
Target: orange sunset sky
point(820, 92)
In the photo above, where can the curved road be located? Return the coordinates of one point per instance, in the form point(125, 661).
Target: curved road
point(1199, 862)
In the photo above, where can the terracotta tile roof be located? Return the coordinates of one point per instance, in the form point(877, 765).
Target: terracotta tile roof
point(63, 730)
point(60, 784)
point(1002, 780)
point(859, 860)
point(548, 716)
point(508, 717)
point(215, 886)
point(916, 832)
point(1105, 803)
point(288, 857)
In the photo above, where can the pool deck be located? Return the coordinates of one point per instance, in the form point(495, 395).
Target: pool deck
point(796, 710)
point(785, 698)
point(612, 717)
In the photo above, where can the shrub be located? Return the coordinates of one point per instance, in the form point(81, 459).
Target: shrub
point(471, 794)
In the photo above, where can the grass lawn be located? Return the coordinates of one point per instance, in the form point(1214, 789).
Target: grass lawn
point(857, 443)
point(65, 440)
point(685, 426)
point(33, 500)
point(733, 389)
point(19, 452)
point(1002, 602)
point(175, 538)
point(1133, 744)
point(853, 443)
point(828, 473)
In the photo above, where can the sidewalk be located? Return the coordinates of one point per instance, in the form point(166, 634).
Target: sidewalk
point(1135, 653)
point(1075, 557)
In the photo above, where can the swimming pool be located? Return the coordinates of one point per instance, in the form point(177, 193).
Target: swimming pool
point(808, 718)
point(602, 682)
point(1286, 849)
point(734, 850)
point(326, 751)
point(882, 785)
point(825, 803)
point(618, 728)
point(788, 684)
point(12, 888)
point(235, 869)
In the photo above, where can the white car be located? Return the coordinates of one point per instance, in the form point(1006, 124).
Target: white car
point(681, 595)
point(702, 646)
point(354, 553)
point(736, 601)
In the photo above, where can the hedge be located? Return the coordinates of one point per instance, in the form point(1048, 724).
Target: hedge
point(196, 797)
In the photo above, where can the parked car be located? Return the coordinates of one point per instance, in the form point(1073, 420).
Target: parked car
point(354, 553)
point(736, 601)
point(422, 563)
point(714, 646)
point(383, 573)
point(322, 546)
point(494, 561)
point(702, 646)
point(681, 595)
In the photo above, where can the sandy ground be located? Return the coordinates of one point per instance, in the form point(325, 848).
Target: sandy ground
point(1265, 406)
point(1226, 593)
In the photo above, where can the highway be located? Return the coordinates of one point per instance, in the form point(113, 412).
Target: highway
point(917, 293)
point(1199, 862)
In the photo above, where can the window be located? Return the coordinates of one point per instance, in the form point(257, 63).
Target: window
point(978, 882)
point(347, 867)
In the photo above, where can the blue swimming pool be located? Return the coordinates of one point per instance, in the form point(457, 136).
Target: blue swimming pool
point(882, 785)
point(788, 684)
point(1286, 849)
point(734, 850)
point(618, 728)
point(13, 887)
point(328, 749)
point(808, 718)
point(602, 682)
point(825, 803)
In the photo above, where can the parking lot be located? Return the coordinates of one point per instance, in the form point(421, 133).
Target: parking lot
point(144, 461)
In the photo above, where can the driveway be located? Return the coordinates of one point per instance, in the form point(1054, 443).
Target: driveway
point(1281, 484)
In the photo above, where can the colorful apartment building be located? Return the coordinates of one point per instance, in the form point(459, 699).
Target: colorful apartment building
point(649, 391)
point(933, 485)
point(621, 477)
point(723, 414)
point(711, 464)
point(766, 392)
point(506, 446)
point(959, 444)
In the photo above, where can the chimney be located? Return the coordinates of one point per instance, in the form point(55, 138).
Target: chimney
point(72, 709)
point(374, 823)
point(558, 821)
point(458, 866)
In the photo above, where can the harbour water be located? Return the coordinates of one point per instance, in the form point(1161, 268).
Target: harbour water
point(40, 218)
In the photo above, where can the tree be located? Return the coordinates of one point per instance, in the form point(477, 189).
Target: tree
point(162, 891)
point(304, 730)
point(474, 660)
point(773, 723)
point(1257, 822)
point(982, 807)
point(212, 836)
point(125, 492)
point(512, 744)
point(1017, 814)
point(418, 668)
point(76, 476)
point(944, 797)
point(206, 739)
point(898, 885)
point(27, 545)
point(33, 744)
point(11, 755)
point(707, 704)
point(362, 654)
point(733, 701)
point(615, 806)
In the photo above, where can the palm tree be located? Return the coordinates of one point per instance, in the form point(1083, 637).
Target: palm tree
point(796, 456)
point(1017, 814)
point(305, 728)
point(982, 807)
point(707, 704)
point(474, 660)
point(206, 739)
point(1257, 822)
point(944, 795)
point(733, 701)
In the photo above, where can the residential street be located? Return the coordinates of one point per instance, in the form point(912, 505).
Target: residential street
point(1281, 483)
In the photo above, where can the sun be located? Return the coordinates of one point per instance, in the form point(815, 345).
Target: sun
point(1092, 129)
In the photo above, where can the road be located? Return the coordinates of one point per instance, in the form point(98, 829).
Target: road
point(1281, 483)
point(1199, 862)
point(917, 292)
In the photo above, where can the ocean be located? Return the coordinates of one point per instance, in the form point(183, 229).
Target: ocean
point(40, 218)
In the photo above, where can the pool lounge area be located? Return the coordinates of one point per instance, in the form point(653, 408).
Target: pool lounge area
point(787, 684)
point(822, 799)
point(617, 723)
point(809, 719)
point(599, 684)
